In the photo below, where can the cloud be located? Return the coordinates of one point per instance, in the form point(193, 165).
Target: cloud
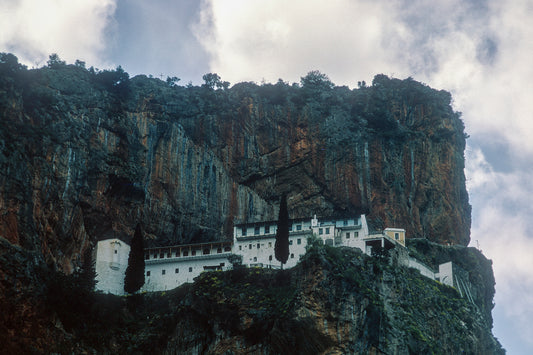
point(501, 225)
point(488, 72)
point(33, 30)
point(251, 40)
point(156, 38)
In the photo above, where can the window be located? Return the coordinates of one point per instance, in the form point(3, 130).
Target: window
point(299, 227)
point(290, 242)
point(347, 235)
point(256, 230)
point(320, 231)
point(206, 251)
point(270, 244)
point(147, 256)
point(155, 256)
point(162, 255)
point(219, 250)
point(250, 246)
point(190, 269)
point(292, 256)
point(267, 229)
point(290, 228)
point(228, 248)
point(258, 245)
point(327, 230)
point(177, 271)
point(255, 258)
point(163, 272)
point(270, 258)
point(169, 255)
point(193, 253)
point(186, 253)
point(355, 234)
point(298, 241)
point(116, 251)
point(345, 223)
point(397, 236)
point(244, 231)
point(147, 273)
point(240, 247)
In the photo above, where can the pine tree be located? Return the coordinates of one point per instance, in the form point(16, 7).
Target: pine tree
point(281, 247)
point(134, 278)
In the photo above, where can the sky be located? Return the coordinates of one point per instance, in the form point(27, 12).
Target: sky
point(479, 50)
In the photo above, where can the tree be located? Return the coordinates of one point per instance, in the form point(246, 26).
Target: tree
point(281, 247)
point(87, 275)
point(79, 63)
point(55, 62)
point(116, 81)
point(9, 64)
point(134, 278)
point(211, 80)
point(316, 81)
point(172, 81)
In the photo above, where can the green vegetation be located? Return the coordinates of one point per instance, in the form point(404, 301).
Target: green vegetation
point(467, 258)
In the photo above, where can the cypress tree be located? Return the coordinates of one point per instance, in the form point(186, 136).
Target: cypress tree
point(87, 275)
point(134, 278)
point(281, 247)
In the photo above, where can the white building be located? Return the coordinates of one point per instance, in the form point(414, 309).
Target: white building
point(255, 242)
point(111, 263)
point(169, 267)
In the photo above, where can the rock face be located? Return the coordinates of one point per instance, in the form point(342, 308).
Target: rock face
point(86, 156)
point(337, 301)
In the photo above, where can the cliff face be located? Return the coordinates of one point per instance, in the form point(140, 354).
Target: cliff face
point(86, 155)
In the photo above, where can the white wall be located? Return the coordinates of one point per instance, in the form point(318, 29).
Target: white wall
point(111, 263)
point(446, 273)
point(259, 250)
point(424, 269)
point(178, 271)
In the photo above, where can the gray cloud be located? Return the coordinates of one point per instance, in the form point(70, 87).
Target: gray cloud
point(156, 38)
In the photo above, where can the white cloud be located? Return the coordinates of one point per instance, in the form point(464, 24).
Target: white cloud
point(33, 30)
point(251, 40)
point(494, 94)
point(502, 225)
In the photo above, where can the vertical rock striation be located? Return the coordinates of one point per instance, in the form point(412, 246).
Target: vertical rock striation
point(83, 158)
